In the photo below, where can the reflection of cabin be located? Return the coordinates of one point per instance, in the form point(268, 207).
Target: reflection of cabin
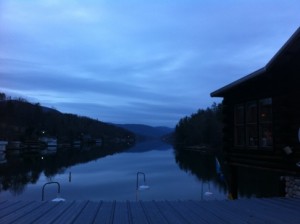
point(262, 114)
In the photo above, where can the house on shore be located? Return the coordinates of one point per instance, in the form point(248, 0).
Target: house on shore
point(261, 114)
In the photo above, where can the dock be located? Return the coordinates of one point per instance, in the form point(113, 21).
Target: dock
point(267, 210)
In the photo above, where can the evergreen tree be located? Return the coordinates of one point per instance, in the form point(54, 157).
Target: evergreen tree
point(201, 128)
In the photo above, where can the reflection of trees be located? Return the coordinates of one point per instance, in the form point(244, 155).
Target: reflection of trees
point(203, 166)
point(17, 184)
point(250, 182)
point(258, 183)
point(15, 175)
point(21, 170)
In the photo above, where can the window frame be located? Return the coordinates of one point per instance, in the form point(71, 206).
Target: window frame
point(255, 131)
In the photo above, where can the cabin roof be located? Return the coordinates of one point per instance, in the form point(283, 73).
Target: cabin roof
point(288, 50)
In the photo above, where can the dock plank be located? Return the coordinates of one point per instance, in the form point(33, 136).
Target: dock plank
point(105, 213)
point(88, 215)
point(154, 215)
point(247, 211)
point(268, 210)
point(239, 213)
point(207, 213)
point(121, 214)
point(11, 206)
point(190, 215)
point(222, 212)
point(290, 202)
point(52, 214)
point(3, 204)
point(170, 213)
point(20, 212)
point(137, 213)
point(284, 213)
point(70, 215)
point(39, 212)
point(287, 204)
point(262, 211)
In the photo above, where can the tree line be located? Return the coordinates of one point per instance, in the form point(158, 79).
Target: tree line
point(21, 120)
point(203, 128)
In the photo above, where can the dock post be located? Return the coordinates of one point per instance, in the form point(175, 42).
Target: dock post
point(233, 182)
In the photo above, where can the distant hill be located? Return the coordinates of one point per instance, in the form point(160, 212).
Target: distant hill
point(145, 131)
point(48, 109)
point(149, 145)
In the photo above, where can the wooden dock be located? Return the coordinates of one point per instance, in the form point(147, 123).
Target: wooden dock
point(276, 210)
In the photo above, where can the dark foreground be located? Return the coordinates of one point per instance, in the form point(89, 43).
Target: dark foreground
point(277, 210)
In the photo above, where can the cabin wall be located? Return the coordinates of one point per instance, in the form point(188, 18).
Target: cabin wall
point(287, 120)
point(286, 123)
point(228, 128)
point(279, 80)
point(286, 104)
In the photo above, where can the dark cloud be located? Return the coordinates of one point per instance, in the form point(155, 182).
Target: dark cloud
point(136, 62)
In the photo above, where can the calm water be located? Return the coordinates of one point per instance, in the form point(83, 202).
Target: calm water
point(114, 178)
point(93, 175)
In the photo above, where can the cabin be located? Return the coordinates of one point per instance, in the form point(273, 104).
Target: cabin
point(261, 114)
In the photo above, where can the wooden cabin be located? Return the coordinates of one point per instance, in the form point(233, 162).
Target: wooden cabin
point(261, 114)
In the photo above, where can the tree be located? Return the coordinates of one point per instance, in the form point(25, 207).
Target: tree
point(2, 96)
point(201, 128)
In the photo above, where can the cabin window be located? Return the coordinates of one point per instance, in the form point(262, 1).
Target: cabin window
point(265, 122)
point(253, 124)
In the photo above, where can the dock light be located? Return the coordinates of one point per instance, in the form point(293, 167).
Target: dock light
point(208, 193)
point(143, 186)
point(58, 199)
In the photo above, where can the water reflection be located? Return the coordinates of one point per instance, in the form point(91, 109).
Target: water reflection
point(99, 177)
point(172, 175)
point(22, 169)
point(258, 183)
point(249, 182)
point(203, 166)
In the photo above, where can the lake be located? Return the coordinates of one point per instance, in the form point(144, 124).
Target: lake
point(90, 175)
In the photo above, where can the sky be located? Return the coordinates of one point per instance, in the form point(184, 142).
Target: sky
point(136, 62)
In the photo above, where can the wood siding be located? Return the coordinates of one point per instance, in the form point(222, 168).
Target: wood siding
point(285, 121)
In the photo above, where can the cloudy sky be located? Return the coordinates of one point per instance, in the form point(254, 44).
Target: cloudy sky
point(133, 61)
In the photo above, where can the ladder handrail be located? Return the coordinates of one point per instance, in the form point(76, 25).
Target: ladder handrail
point(137, 179)
point(52, 182)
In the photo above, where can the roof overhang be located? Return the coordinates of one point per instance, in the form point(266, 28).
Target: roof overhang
point(220, 92)
point(283, 56)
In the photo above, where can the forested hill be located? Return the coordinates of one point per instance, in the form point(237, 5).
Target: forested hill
point(146, 131)
point(21, 120)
